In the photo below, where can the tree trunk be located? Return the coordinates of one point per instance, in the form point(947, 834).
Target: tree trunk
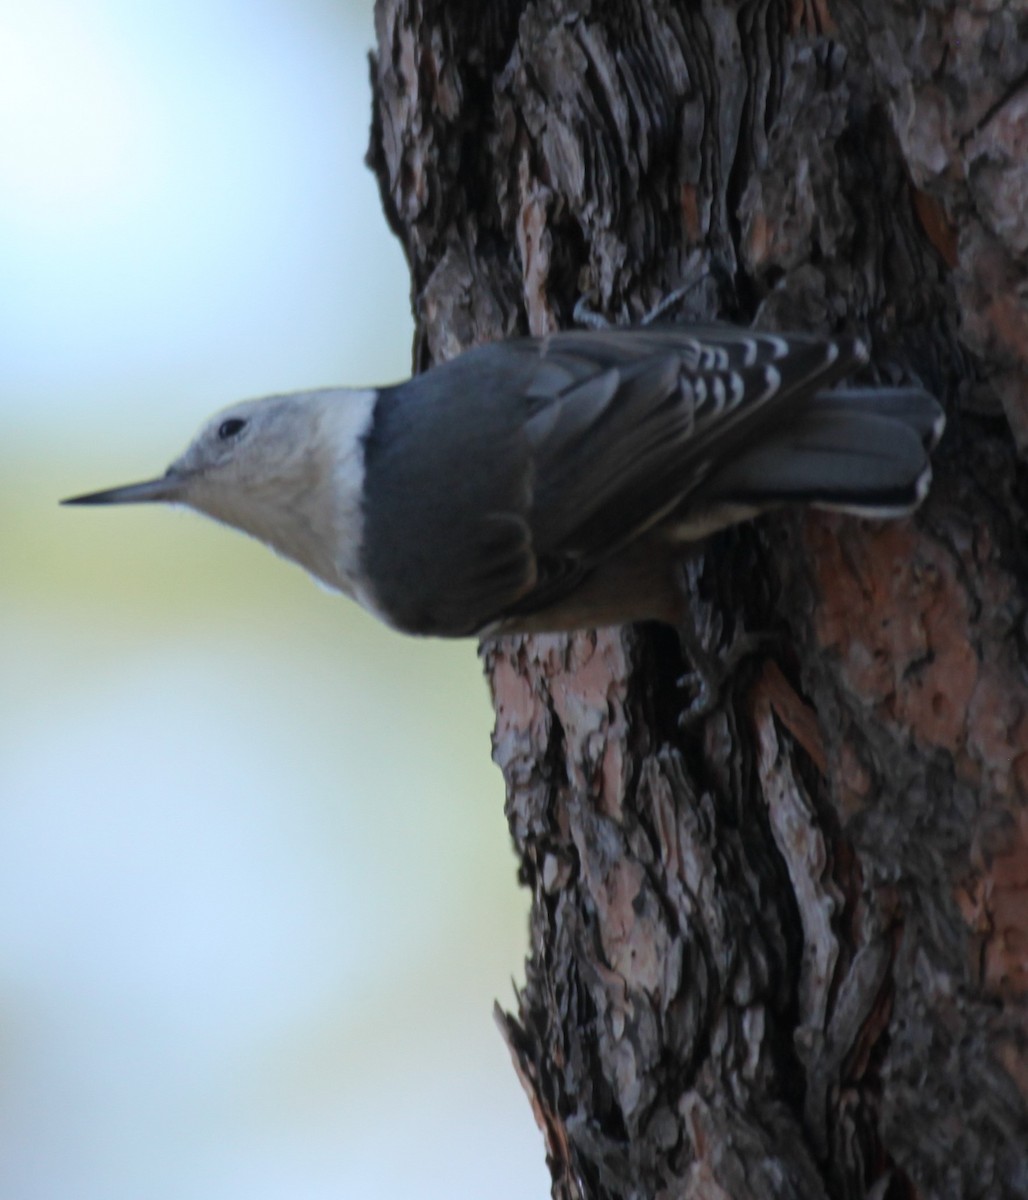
point(782, 952)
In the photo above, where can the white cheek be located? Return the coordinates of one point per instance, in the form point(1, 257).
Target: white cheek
point(305, 499)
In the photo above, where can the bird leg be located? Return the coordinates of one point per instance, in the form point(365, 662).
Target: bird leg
point(696, 271)
point(585, 315)
point(713, 664)
point(710, 674)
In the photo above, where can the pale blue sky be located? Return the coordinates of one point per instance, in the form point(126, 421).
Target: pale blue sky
point(256, 892)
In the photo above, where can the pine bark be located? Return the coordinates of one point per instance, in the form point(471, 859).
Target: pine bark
point(782, 952)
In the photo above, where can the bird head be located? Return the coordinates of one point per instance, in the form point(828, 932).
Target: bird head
point(284, 469)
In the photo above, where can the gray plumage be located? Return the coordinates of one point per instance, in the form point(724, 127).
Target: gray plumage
point(617, 446)
point(546, 484)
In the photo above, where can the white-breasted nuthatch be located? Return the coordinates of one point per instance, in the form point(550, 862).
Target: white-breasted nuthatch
point(545, 484)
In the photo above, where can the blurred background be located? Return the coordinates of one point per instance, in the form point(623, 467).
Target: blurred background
point(256, 892)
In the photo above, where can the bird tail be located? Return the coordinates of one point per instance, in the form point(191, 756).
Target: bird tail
point(856, 450)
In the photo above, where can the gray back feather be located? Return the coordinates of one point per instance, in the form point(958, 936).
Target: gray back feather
point(499, 480)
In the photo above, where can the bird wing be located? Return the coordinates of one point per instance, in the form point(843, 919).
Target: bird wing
point(625, 427)
point(622, 447)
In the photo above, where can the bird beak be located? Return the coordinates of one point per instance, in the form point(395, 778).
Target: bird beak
point(169, 487)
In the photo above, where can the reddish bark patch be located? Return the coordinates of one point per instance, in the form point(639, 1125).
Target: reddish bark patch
point(941, 233)
point(895, 613)
point(995, 906)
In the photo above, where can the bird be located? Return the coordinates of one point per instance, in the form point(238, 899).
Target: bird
point(550, 484)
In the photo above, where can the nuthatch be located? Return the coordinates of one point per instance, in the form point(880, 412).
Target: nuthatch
point(547, 484)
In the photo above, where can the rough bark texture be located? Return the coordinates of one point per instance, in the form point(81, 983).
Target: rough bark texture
point(785, 952)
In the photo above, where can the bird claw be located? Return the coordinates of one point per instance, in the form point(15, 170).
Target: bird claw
point(703, 700)
point(710, 676)
point(586, 316)
point(695, 271)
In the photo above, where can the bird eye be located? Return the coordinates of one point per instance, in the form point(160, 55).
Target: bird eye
point(228, 429)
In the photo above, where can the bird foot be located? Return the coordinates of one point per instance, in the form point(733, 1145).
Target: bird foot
point(709, 677)
point(585, 315)
point(696, 270)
